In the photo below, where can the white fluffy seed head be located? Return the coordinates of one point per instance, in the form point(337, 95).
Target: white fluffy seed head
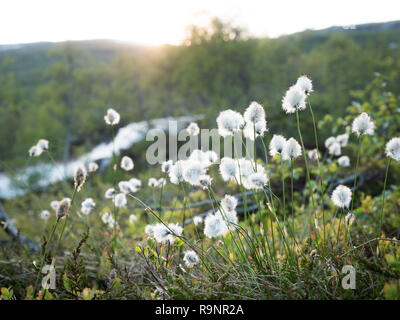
point(291, 150)
point(45, 214)
point(305, 84)
point(257, 180)
point(363, 124)
point(393, 149)
point(132, 218)
point(193, 129)
point(343, 139)
point(176, 172)
point(212, 156)
point(254, 113)
point(344, 161)
point(313, 154)
point(43, 144)
point(341, 196)
point(127, 163)
point(230, 218)
point(110, 193)
point(134, 185)
point(329, 142)
point(124, 186)
point(228, 169)
point(93, 166)
point(229, 203)
point(192, 171)
point(87, 206)
point(107, 218)
point(120, 200)
point(79, 177)
point(335, 149)
point(205, 181)
point(166, 166)
point(214, 226)
point(163, 235)
point(259, 128)
point(149, 229)
point(294, 99)
point(229, 122)
point(276, 145)
point(152, 183)
point(35, 151)
point(112, 117)
point(197, 220)
point(54, 204)
point(161, 183)
point(63, 208)
point(191, 258)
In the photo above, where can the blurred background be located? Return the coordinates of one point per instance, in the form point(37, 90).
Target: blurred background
point(63, 63)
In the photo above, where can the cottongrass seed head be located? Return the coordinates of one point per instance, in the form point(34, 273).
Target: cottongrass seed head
point(120, 200)
point(134, 185)
point(54, 204)
point(305, 84)
point(190, 258)
point(127, 163)
point(294, 99)
point(393, 149)
point(291, 150)
point(335, 149)
point(63, 208)
point(257, 180)
point(329, 142)
point(197, 220)
point(258, 128)
point(254, 113)
point(192, 171)
point(214, 226)
point(229, 122)
point(110, 193)
point(152, 183)
point(228, 169)
point(229, 203)
point(205, 181)
point(132, 218)
point(313, 155)
point(341, 196)
point(93, 166)
point(112, 117)
point(193, 129)
point(276, 145)
point(166, 166)
point(45, 214)
point(343, 139)
point(124, 186)
point(176, 172)
point(87, 206)
point(79, 177)
point(363, 124)
point(344, 161)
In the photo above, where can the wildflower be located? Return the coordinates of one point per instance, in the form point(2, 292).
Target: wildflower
point(304, 84)
point(149, 230)
point(341, 196)
point(229, 122)
point(124, 186)
point(257, 180)
point(132, 218)
point(343, 139)
point(214, 226)
point(163, 234)
point(230, 218)
point(134, 185)
point(313, 154)
point(254, 113)
point(166, 166)
point(193, 129)
point(276, 145)
point(199, 155)
point(192, 172)
point(293, 100)
point(176, 172)
point(63, 208)
point(212, 156)
point(127, 163)
point(229, 203)
point(335, 149)
point(205, 181)
point(54, 204)
point(393, 149)
point(43, 144)
point(152, 182)
point(87, 206)
point(108, 219)
point(197, 220)
point(344, 161)
point(191, 258)
point(349, 219)
point(93, 166)
point(110, 193)
point(363, 124)
point(79, 177)
point(45, 214)
point(120, 200)
point(228, 169)
point(112, 117)
point(291, 150)
point(329, 142)
point(259, 128)
point(35, 151)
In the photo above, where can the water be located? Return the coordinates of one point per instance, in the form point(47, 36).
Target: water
point(50, 173)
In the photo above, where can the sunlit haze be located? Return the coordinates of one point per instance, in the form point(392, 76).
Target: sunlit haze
point(157, 22)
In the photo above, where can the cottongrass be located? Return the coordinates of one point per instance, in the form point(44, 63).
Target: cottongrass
point(193, 129)
point(191, 258)
point(341, 196)
point(229, 122)
point(363, 125)
point(291, 150)
point(343, 161)
point(127, 163)
point(112, 117)
point(63, 208)
point(45, 215)
point(392, 149)
point(93, 166)
point(132, 218)
point(87, 206)
point(110, 193)
point(276, 145)
point(79, 177)
point(120, 200)
point(294, 99)
point(214, 226)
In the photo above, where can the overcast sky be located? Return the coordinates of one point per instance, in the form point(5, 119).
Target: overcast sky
point(154, 22)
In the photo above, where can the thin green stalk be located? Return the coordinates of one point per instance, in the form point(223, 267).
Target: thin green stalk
point(356, 172)
point(383, 198)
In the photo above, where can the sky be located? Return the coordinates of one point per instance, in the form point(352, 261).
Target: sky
point(156, 22)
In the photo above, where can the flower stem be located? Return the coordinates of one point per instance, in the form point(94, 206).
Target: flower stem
point(383, 198)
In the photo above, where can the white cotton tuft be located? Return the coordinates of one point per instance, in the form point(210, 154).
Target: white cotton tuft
point(134, 185)
point(87, 206)
point(343, 139)
point(393, 149)
point(45, 214)
point(124, 186)
point(153, 182)
point(292, 150)
point(110, 193)
point(313, 154)
point(229, 122)
point(176, 172)
point(54, 204)
point(344, 161)
point(228, 169)
point(205, 181)
point(229, 217)
point(163, 234)
point(293, 100)
point(229, 203)
point(341, 196)
point(363, 124)
point(79, 177)
point(257, 180)
point(276, 145)
point(214, 226)
point(193, 129)
point(127, 163)
point(120, 200)
point(43, 144)
point(254, 113)
point(166, 166)
point(191, 258)
point(149, 230)
point(212, 156)
point(335, 149)
point(192, 171)
point(93, 166)
point(132, 218)
point(259, 128)
point(112, 117)
point(107, 218)
point(305, 84)
point(329, 142)
point(197, 220)
point(35, 151)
